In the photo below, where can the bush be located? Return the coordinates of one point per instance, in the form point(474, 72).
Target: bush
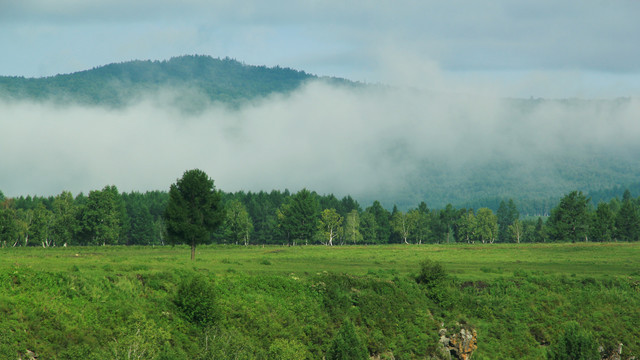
point(346, 345)
point(431, 273)
point(195, 298)
point(574, 344)
point(228, 343)
point(432, 276)
point(283, 349)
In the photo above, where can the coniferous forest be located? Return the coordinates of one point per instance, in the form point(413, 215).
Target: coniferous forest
point(108, 217)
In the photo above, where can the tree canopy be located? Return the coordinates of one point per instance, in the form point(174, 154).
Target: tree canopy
point(194, 209)
point(569, 221)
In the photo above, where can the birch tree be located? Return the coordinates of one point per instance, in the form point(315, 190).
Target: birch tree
point(352, 227)
point(400, 224)
point(330, 225)
point(516, 230)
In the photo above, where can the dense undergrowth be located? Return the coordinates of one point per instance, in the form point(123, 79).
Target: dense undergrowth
point(194, 313)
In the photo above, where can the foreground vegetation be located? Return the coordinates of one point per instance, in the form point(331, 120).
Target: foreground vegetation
point(298, 302)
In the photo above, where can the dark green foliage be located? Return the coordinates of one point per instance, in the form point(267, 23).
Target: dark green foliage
point(9, 227)
point(346, 344)
point(278, 217)
point(140, 230)
point(262, 208)
point(368, 228)
point(432, 276)
point(103, 217)
point(540, 232)
point(196, 300)
point(194, 209)
point(569, 221)
point(439, 227)
point(627, 221)
point(431, 273)
point(507, 213)
point(299, 217)
point(574, 344)
point(602, 224)
point(392, 315)
point(116, 85)
point(615, 192)
point(382, 222)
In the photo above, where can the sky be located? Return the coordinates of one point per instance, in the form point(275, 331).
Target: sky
point(518, 48)
point(450, 64)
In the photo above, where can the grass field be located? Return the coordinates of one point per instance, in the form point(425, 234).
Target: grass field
point(288, 302)
point(466, 262)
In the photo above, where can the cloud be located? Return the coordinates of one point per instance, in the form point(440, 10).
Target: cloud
point(459, 36)
point(366, 142)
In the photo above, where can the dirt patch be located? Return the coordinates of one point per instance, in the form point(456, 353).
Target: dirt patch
point(479, 285)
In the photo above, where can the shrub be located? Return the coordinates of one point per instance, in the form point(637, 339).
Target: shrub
point(282, 349)
point(574, 344)
point(346, 345)
point(195, 298)
point(432, 276)
point(228, 343)
point(431, 273)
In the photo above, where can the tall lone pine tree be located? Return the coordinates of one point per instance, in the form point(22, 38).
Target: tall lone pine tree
point(194, 210)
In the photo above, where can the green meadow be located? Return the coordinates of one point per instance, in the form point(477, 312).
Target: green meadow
point(289, 302)
point(465, 262)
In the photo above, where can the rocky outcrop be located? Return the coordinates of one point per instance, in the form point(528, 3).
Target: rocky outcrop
point(460, 345)
point(613, 354)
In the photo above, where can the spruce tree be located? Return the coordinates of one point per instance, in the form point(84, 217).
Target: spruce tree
point(194, 210)
point(628, 220)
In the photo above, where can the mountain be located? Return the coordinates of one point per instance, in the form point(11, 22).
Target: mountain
point(397, 146)
point(216, 80)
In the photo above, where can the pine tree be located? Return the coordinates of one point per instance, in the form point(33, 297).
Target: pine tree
point(194, 210)
point(628, 220)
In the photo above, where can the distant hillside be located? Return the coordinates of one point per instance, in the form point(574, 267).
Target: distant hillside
point(460, 150)
point(541, 150)
point(215, 80)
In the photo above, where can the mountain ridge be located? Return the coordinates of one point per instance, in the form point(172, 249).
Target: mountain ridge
point(116, 84)
point(461, 169)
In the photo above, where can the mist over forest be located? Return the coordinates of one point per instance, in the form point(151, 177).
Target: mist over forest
point(399, 145)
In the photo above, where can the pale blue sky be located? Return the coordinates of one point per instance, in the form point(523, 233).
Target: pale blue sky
point(516, 48)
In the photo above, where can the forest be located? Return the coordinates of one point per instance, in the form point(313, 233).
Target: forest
point(119, 84)
point(108, 217)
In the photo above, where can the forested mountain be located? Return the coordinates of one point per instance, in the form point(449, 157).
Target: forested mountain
point(215, 80)
point(532, 150)
point(399, 147)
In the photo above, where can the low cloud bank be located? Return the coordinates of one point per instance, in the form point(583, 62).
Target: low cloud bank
point(341, 140)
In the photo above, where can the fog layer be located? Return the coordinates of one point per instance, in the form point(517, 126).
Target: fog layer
point(368, 142)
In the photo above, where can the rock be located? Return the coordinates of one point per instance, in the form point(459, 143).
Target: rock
point(615, 354)
point(464, 344)
point(460, 345)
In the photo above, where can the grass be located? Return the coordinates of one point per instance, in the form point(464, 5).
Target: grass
point(105, 302)
point(466, 262)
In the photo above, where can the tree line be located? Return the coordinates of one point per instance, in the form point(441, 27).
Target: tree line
point(108, 217)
